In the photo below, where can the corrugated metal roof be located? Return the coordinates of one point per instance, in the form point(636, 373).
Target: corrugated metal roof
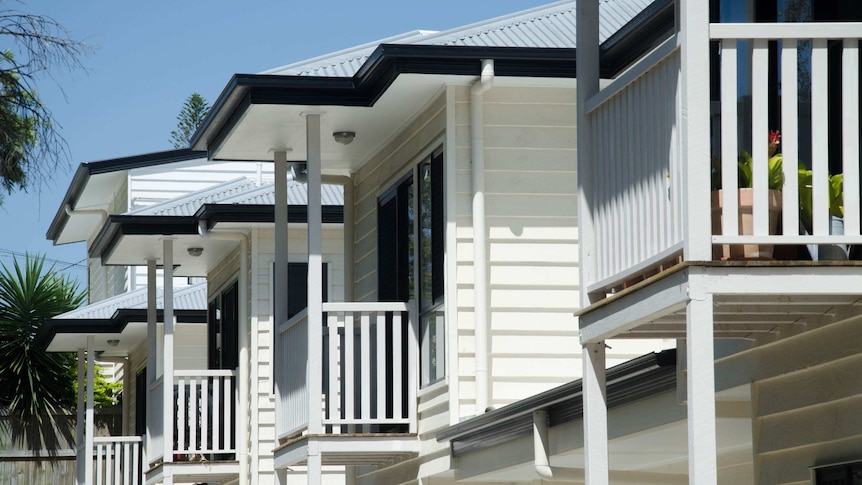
point(240, 191)
point(192, 297)
point(547, 26)
point(188, 204)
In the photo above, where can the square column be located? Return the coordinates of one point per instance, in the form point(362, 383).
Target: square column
point(168, 353)
point(700, 381)
point(315, 292)
point(595, 414)
point(89, 431)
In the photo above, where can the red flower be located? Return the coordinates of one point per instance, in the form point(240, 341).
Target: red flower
point(774, 140)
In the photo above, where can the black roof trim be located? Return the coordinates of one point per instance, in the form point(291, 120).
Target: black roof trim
point(118, 226)
point(630, 381)
point(88, 169)
point(213, 214)
point(51, 327)
point(641, 34)
point(388, 61)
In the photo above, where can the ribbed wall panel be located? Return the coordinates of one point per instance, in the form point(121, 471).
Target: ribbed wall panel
point(293, 400)
point(636, 193)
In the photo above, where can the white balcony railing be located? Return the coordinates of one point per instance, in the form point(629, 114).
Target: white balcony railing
point(634, 183)
point(205, 412)
point(792, 38)
point(633, 176)
point(117, 460)
point(368, 374)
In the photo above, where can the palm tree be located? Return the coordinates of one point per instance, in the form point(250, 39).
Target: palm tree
point(35, 384)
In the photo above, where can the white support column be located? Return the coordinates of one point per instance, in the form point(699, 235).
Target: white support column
point(694, 25)
point(280, 277)
point(80, 424)
point(315, 293)
point(89, 431)
point(595, 415)
point(168, 357)
point(152, 356)
point(588, 85)
point(700, 381)
point(127, 385)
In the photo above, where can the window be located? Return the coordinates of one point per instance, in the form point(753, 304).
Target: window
point(222, 329)
point(410, 226)
point(842, 474)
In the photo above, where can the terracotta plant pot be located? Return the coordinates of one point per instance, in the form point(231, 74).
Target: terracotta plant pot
point(746, 226)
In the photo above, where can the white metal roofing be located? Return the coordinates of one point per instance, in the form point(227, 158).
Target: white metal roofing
point(239, 191)
point(547, 26)
point(192, 297)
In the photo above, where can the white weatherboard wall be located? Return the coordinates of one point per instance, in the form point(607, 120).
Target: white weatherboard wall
point(809, 414)
point(398, 158)
point(531, 214)
point(262, 257)
point(107, 281)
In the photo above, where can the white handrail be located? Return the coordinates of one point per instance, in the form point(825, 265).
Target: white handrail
point(788, 30)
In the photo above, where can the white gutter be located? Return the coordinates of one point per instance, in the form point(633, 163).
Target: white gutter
point(548, 473)
point(480, 236)
point(243, 342)
point(83, 212)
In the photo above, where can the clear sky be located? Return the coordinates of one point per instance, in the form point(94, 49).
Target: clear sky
point(152, 55)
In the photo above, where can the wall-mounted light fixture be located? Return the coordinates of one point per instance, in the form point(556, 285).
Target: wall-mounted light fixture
point(344, 137)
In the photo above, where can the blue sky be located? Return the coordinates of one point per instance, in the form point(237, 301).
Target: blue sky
point(151, 56)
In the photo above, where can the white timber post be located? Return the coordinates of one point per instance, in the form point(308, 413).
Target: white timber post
point(694, 24)
point(349, 256)
point(90, 427)
point(80, 424)
point(587, 86)
point(280, 290)
point(595, 415)
point(700, 381)
point(594, 394)
point(168, 352)
point(315, 293)
point(152, 354)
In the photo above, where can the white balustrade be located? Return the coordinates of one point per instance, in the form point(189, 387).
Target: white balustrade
point(117, 460)
point(369, 371)
point(205, 411)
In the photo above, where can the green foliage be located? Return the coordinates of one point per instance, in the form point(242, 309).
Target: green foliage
point(836, 195)
point(744, 165)
point(194, 111)
point(31, 148)
point(105, 393)
point(35, 382)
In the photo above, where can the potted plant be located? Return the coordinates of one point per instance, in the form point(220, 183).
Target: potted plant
point(836, 214)
point(746, 201)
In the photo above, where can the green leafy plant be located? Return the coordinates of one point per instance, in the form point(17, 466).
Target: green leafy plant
point(745, 167)
point(836, 195)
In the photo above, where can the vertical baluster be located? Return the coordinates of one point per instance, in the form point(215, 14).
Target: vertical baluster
point(136, 463)
point(850, 138)
point(333, 409)
point(365, 362)
point(760, 135)
point(228, 401)
point(397, 352)
point(203, 423)
point(820, 137)
point(216, 433)
point(127, 462)
point(195, 401)
point(182, 409)
point(117, 461)
point(382, 385)
point(790, 137)
point(349, 366)
point(729, 149)
point(100, 449)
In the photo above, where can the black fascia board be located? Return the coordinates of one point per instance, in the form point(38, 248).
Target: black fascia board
point(51, 327)
point(88, 169)
point(640, 378)
point(384, 65)
point(641, 34)
point(118, 226)
point(213, 214)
